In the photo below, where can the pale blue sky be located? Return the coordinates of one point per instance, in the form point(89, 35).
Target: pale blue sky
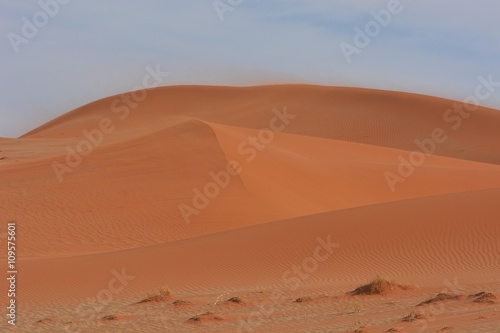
point(93, 49)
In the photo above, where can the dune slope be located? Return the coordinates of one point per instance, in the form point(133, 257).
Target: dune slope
point(216, 190)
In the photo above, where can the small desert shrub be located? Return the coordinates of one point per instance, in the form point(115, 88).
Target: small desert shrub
point(234, 300)
point(165, 291)
point(484, 297)
point(195, 319)
point(440, 297)
point(357, 306)
point(153, 298)
point(109, 317)
point(412, 317)
point(180, 302)
point(303, 299)
point(206, 315)
point(377, 286)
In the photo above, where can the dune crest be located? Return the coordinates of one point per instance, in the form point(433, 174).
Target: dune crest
point(216, 190)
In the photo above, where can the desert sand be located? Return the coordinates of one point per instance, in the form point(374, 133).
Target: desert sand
point(295, 211)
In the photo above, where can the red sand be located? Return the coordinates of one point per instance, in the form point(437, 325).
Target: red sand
point(320, 178)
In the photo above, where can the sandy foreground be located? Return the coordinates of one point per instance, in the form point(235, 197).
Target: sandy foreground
point(260, 208)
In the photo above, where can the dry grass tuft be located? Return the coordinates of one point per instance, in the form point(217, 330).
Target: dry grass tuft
point(180, 302)
point(165, 291)
point(484, 297)
point(164, 294)
point(236, 300)
point(359, 330)
point(357, 306)
point(303, 299)
point(206, 315)
point(154, 299)
point(378, 286)
point(412, 317)
point(110, 317)
point(440, 297)
point(47, 320)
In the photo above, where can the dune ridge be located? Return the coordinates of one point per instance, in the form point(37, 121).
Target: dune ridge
point(318, 178)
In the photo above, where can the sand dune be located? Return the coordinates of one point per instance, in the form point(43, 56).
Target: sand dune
point(375, 117)
point(100, 190)
point(421, 240)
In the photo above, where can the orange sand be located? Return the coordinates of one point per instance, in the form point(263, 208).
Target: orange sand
point(322, 175)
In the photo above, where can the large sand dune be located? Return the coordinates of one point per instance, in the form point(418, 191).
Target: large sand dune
point(271, 202)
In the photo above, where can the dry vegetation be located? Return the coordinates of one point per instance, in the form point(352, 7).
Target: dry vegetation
point(164, 294)
point(235, 300)
point(378, 286)
point(484, 297)
point(208, 316)
point(110, 317)
point(303, 299)
point(180, 302)
point(357, 306)
point(440, 297)
point(413, 316)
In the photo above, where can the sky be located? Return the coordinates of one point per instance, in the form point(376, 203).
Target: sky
point(57, 55)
